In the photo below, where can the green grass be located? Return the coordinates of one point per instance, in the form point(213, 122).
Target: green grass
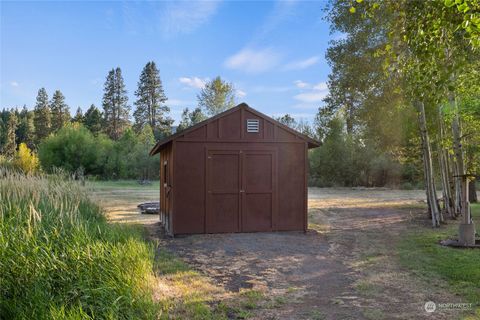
point(420, 251)
point(60, 259)
point(123, 184)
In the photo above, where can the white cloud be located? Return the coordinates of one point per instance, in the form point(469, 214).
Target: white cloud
point(186, 16)
point(302, 64)
point(14, 84)
point(253, 61)
point(193, 82)
point(314, 96)
point(321, 86)
point(240, 93)
point(301, 84)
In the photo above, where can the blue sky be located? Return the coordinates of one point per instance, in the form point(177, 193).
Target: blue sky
point(273, 52)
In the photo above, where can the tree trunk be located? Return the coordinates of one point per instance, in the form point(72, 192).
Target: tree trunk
point(434, 209)
point(459, 162)
point(472, 191)
point(445, 172)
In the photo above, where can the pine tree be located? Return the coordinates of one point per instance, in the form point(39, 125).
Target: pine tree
point(150, 103)
point(115, 104)
point(60, 111)
point(26, 129)
point(11, 145)
point(42, 118)
point(79, 118)
point(216, 97)
point(190, 118)
point(93, 120)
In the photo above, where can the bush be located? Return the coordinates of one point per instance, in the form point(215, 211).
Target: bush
point(26, 160)
point(60, 259)
point(74, 147)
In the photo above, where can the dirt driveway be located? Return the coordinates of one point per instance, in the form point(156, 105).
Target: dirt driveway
point(342, 268)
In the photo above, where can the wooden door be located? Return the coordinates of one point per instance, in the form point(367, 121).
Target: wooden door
point(258, 186)
point(223, 191)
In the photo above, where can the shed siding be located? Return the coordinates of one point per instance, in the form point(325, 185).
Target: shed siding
point(190, 184)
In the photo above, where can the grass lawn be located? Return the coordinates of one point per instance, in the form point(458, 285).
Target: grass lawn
point(123, 184)
point(420, 251)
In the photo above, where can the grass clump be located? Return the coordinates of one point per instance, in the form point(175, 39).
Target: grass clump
point(59, 259)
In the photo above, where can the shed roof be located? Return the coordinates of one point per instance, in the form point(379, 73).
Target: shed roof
point(312, 143)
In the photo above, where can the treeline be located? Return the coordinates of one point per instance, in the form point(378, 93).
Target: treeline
point(104, 143)
point(405, 86)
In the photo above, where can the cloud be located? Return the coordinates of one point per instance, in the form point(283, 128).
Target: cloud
point(14, 84)
point(301, 84)
point(311, 96)
point(316, 94)
point(321, 86)
point(253, 61)
point(193, 82)
point(186, 16)
point(240, 93)
point(302, 64)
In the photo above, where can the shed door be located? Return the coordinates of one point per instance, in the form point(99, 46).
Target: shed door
point(223, 191)
point(240, 191)
point(258, 190)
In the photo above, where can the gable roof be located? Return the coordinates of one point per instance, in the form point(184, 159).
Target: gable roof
point(312, 143)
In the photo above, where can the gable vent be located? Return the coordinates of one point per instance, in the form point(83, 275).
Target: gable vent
point(253, 125)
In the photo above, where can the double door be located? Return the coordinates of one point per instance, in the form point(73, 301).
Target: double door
point(240, 190)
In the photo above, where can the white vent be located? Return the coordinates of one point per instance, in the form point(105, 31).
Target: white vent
point(253, 125)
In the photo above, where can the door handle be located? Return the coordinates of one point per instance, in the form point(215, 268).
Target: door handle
point(241, 191)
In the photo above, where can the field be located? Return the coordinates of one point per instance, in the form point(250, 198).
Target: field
point(368, 254)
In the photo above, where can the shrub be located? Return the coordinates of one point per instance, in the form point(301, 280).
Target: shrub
point(26, 160)
point(60, 259)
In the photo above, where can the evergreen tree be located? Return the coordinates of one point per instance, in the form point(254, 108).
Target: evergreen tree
point(79, 118)
point(150, 103)
point(42, 118)
point(11, 145)
point(287, 120)
point(93, 120)
point(190, 118)
point(217, 96)
point(26, 129)
point(60, 112)
point(115, 104)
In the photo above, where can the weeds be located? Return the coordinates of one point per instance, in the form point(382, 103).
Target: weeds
point(59, 259)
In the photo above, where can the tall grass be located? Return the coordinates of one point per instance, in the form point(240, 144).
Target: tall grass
point(59, 259)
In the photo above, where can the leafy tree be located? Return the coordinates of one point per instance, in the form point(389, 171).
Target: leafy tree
point(60, 113)
point(93, 120)
point(79, 118)
point(42, 116)
point(216, 97)
point(321, 122)
point(72, 148)
point(10, 147)
point(26, 159)
point(190, 118)
point(115, 104)
point(150, 103)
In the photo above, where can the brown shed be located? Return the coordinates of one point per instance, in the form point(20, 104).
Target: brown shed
point(239, 171)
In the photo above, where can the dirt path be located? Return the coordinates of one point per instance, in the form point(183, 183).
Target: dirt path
point(343, 268)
